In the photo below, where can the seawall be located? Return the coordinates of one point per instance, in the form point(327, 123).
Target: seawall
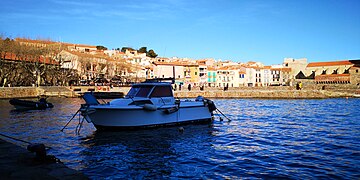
point(268, 93)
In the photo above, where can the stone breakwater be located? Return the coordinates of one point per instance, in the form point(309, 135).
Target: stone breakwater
point(272, 93)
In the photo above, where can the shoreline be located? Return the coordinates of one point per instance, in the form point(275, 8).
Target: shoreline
point(257, 93)
point(18, 163)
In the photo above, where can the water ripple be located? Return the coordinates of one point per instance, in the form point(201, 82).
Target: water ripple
point(266, 139)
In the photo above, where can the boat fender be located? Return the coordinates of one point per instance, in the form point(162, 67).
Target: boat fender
point(199, 98)
point(171, 110)
point(149, 107)
point(211, 105)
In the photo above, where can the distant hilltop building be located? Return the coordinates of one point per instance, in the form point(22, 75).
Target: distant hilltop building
point(89, 62)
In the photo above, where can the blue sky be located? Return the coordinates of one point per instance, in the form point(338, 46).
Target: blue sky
point(237, 30)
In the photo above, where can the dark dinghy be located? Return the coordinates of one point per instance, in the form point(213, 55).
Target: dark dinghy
point(25, 104)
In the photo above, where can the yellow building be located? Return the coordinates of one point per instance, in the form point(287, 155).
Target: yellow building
point(191, 74)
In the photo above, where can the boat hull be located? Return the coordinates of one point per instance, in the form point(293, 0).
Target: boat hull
point(24, 104)
point(137, 118)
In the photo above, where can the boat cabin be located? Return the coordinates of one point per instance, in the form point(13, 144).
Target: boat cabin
point(157, 93)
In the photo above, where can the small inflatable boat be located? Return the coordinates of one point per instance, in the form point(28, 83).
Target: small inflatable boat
point(25, 104)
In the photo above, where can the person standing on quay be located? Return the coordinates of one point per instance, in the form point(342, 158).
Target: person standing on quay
point(300, 85)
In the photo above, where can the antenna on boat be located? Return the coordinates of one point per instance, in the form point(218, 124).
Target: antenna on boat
point(173, 81)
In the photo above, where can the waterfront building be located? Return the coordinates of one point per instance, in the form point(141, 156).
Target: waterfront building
point(266, 78)
point(89, 66)
point(202, 72)
point(242, 75)
point(355, 75)
point(166, 70)
point(259, 76)
point(228, 76)
point(191, 73)
point(211, 74)
point(280, 75)
point(250, 77)
point(296, 65)
point(149, 72)
point(333, 72)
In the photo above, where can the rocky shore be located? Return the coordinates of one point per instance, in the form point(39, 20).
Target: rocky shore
point(267, 93)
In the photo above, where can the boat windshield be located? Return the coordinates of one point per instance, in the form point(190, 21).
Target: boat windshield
point(139, 91)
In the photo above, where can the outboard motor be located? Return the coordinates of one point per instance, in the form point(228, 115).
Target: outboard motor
point(211, 105)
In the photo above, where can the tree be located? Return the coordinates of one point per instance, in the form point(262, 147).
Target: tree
point(123, 49)
point(26, 64)
point(99, 47)
point(143, 50)
point(151, 54)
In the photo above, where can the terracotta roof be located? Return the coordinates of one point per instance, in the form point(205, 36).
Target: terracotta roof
point(35, 41)
point(29, 58)
point(51, 42)
point(201, 62)
point(224, 68)
point(168, 63)
point(333, 77)
point(284, 69)
point(267, 67)
point(87, 55)
point(330, 63)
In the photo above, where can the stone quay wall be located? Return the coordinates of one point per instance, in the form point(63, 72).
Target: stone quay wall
point(281, 92)
point(264, 94)
point(18, 92)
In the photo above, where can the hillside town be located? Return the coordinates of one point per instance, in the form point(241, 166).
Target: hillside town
point(77, 64)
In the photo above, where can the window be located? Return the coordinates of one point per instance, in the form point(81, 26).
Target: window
point(195, 73)
point(139, 91)
point(144, 91)
point(161, 91)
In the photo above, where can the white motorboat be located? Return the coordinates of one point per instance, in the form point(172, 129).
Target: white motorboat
point(147, 104)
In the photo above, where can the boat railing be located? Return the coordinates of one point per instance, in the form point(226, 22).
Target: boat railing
point(155, 80)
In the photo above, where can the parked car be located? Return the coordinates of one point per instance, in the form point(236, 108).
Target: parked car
point(101, 82)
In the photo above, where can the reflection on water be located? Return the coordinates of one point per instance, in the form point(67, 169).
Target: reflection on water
point(266, 139)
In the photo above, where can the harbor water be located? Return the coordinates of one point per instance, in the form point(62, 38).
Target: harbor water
point(296, 139)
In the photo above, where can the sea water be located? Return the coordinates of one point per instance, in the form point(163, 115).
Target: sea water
point(296, 139)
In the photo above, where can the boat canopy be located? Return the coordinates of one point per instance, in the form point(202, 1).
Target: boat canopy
point(149, 90)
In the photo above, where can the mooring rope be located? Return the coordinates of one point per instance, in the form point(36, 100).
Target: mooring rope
point(16, 139)
point(223, 114)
